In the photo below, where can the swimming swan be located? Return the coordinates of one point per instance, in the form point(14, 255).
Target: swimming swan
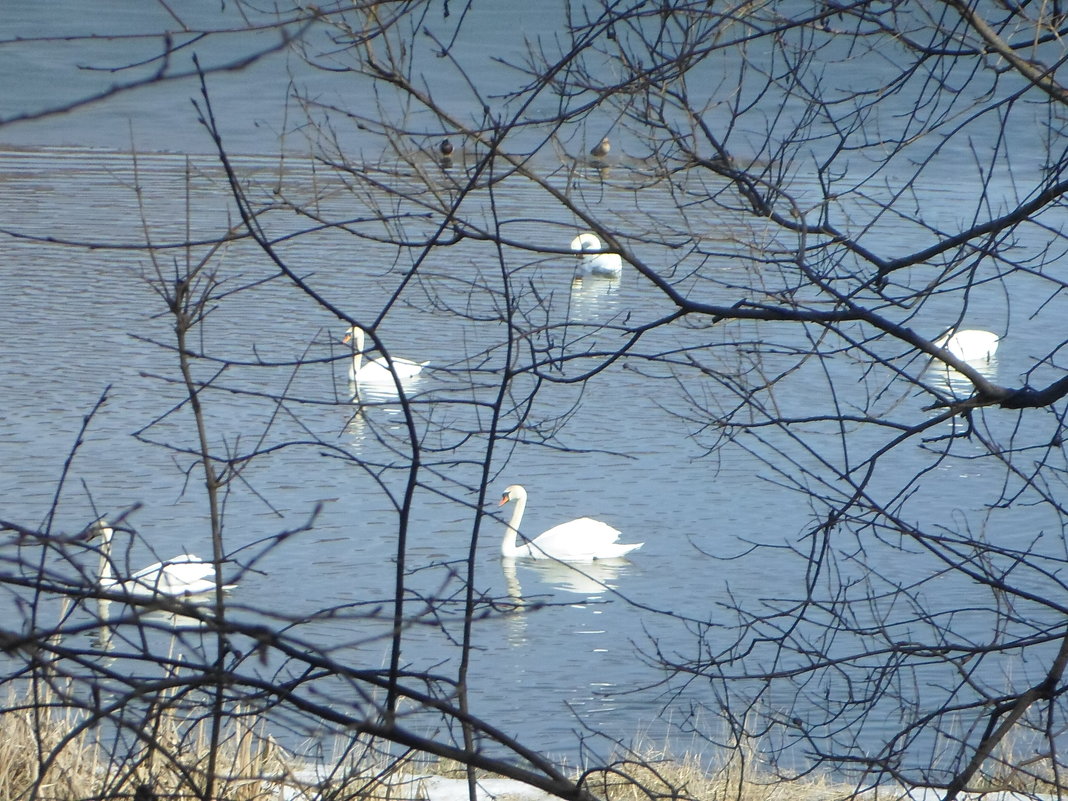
point(600, 150)
point(179, 576)
point(580, 540)
point(970, 345)
point(377, 369)
point(606, 264)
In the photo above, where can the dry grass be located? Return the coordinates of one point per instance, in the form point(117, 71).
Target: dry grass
point(743, 776)
point(1026, 773)
point(44, 754)
point(655, 776)
point(37, 761)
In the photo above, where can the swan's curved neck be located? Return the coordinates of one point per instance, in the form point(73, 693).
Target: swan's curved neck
point(357, 354)
point(508, 547)
point(105, 573)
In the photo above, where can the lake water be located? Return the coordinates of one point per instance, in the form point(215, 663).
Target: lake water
point(638, 446)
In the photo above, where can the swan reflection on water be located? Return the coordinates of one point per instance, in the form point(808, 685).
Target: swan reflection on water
point(101, 636)
point(590, 579)
point(381, 393)
point(552, 581)
point(166, 623)
point(377, 410)
point(956, 383)
point(591, 296)
point(946, 378)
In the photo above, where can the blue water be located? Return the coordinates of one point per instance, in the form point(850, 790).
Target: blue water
point(642, 445)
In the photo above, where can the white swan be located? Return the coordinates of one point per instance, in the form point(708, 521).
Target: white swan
point(179, 576)
point(600, 150)
point(970, 345)
point(607, 264)
point(580, 540)
point(377, 369)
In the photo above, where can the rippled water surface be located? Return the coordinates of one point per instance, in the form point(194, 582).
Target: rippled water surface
point(637, 451)
point(81, 324)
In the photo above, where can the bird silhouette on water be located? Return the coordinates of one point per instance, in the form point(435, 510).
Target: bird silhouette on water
point(445, 148)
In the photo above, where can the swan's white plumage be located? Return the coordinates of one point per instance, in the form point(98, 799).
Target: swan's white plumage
point(971, 344)
point(580, 540)
point(592, 262)
point(185, 574)
point(376, 370)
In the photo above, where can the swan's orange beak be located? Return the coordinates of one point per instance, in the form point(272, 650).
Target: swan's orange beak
point(345, 339)
point(504, 499)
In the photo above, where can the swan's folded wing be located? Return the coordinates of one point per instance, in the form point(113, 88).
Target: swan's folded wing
point(377, 369)
point(583, 538)
point(198, 587)
point(184, 564)
point(188, 571)
point(176, 575)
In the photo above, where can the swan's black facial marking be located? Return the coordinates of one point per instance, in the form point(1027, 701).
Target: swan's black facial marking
point(504, 499)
